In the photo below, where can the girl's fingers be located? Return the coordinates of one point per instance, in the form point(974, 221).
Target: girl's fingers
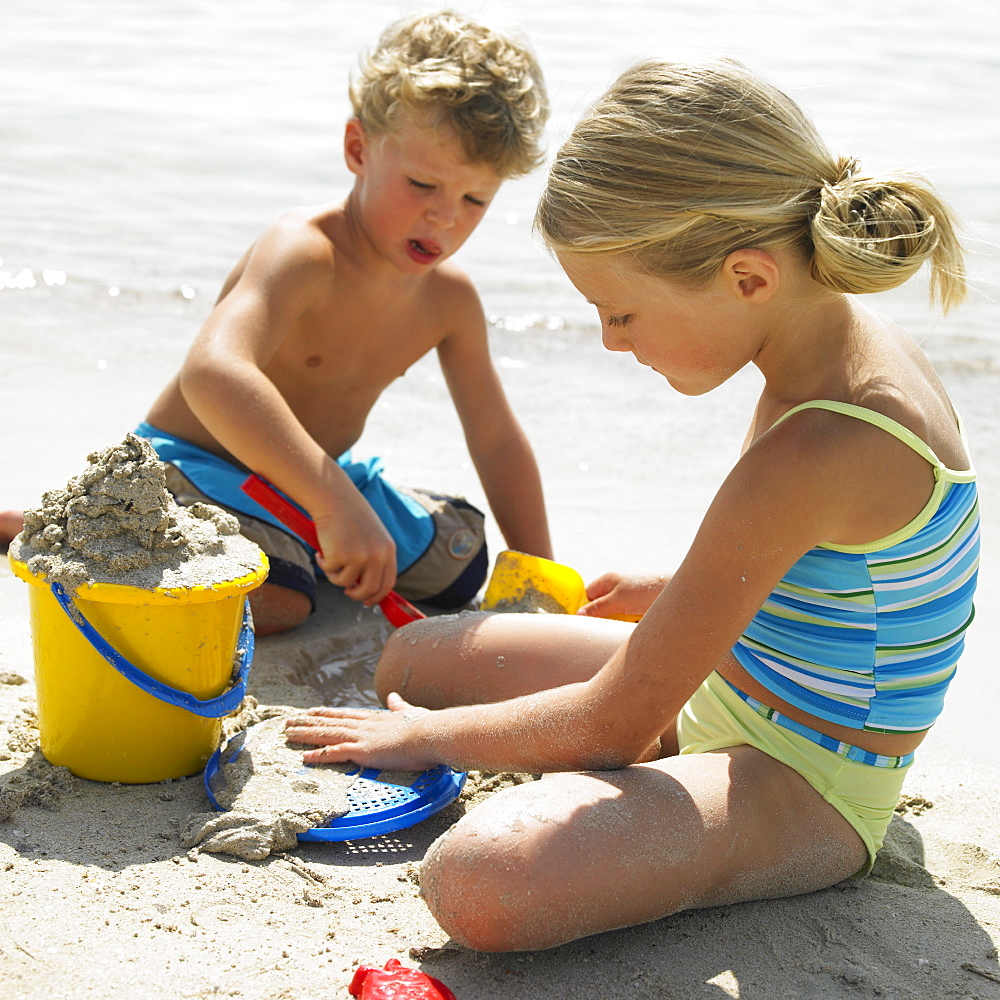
point(333, 713)
point(334, 754)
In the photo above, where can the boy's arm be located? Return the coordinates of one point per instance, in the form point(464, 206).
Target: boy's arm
point(497, 445)
point(225, 385)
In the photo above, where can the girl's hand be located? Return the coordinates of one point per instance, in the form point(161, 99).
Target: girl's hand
point(369, 737)
point(615, 594)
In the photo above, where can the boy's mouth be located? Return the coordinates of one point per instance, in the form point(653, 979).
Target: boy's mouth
point(423, 253)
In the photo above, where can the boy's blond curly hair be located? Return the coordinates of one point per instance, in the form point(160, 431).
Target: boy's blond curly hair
point(483, 85)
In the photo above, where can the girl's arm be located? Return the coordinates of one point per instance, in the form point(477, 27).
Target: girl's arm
point(795, 487)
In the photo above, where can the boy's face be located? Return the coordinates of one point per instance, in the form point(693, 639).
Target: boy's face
point(417, 198)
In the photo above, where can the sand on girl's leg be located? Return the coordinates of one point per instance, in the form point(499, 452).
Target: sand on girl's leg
point(578, 853)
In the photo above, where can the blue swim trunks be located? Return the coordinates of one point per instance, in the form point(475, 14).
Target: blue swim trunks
point(441, 556)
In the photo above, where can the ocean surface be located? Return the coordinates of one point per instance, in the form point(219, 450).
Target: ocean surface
point(146, 144)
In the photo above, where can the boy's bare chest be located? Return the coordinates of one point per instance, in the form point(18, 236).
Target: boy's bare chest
point(337, 362)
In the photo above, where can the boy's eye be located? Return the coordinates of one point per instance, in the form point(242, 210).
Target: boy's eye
point(619, 320)
point(419, 184)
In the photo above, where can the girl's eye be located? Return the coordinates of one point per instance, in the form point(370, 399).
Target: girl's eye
point(478, 202)
point(619, 320)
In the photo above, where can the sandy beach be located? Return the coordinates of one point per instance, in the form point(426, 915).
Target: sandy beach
point(146, 150)
point(102, 901)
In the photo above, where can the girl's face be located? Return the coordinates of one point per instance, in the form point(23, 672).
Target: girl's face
point(695, 339)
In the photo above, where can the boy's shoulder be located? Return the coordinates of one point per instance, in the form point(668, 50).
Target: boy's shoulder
point(296, 254)
point(306, 231)
point(454, 296)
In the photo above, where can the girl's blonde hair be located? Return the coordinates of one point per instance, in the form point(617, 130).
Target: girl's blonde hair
point(483, 85)
point(677, 166)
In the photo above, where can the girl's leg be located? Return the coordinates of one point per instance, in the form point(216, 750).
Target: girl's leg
point(575, 854)
point(480, 657)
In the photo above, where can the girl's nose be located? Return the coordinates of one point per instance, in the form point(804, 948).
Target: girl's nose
point(613, 340)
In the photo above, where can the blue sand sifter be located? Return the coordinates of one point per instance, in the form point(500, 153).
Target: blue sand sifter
point(376, 806)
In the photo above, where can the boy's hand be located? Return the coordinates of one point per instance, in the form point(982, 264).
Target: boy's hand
point(357, 553)
point(616, 594)
point(368, 737)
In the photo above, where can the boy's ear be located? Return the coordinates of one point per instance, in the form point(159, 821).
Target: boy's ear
point(751, 275)
point(355, 146)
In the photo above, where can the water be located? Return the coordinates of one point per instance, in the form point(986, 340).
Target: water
point(145, 145)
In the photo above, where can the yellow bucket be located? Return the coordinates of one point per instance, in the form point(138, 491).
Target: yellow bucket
point(132, 683)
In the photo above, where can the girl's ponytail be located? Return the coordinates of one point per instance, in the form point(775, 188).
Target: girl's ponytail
point(871, 234)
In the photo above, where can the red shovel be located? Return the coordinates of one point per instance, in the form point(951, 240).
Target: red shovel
point(397, 609)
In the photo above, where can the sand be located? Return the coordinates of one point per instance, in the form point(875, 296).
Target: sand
point(116, 523)
point(268, 797)
point(102, 901)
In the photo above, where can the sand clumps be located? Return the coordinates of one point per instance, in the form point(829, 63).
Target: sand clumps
point(116, 523)
point(270, 796)
point(268, 801)
point(533, 601)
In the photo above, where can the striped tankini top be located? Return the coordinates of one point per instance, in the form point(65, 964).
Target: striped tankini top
point(868, 636)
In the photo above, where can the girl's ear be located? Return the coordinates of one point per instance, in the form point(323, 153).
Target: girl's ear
point(751, 275)
point(355, 146)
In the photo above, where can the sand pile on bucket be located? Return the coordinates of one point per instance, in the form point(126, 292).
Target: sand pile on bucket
point(116, 523)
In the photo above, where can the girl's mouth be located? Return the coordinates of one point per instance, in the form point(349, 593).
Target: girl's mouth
point(422, 253)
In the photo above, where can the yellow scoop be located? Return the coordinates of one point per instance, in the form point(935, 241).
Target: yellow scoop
point(521, 582)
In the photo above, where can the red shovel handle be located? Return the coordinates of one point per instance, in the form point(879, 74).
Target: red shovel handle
point(396, 609)
point(285, 511)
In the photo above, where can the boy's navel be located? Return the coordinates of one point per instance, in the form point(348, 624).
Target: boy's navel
point(313, 361)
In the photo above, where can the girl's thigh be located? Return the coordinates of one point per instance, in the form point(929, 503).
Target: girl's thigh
point(574, 854)
point(479, 657)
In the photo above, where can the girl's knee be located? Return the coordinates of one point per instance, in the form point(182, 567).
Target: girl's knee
point(393, 670)
point(476, 891)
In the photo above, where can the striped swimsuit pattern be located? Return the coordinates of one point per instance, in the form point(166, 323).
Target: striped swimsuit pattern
point(869, 636)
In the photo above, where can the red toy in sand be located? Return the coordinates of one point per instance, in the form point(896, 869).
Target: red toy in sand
point(396, 982)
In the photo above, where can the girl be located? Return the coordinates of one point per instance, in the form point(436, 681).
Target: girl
point(749, 736)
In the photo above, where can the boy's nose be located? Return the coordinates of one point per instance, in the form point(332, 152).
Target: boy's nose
point(442, 213)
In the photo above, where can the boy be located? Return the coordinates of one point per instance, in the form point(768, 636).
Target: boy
point(333, 303)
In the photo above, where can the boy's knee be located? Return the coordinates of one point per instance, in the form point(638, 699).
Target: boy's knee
point(278, 609)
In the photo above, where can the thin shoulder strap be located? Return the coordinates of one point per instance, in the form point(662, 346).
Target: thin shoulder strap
point(890, 426)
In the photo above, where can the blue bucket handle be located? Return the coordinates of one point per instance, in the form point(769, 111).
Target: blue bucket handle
point(211, 708)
